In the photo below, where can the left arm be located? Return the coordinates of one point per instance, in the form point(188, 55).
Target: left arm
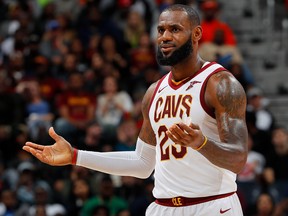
point(226, 96)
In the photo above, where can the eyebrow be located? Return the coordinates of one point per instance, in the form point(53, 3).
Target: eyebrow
point(170, 26)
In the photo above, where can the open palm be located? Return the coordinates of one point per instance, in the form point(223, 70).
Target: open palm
point(58, 154)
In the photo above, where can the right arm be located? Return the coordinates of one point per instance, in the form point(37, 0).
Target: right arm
point(139, 163)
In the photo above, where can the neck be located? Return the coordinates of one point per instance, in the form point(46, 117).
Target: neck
point(186, 68)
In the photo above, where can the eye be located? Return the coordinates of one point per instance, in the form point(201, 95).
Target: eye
point(160, 30)
point(175, 30)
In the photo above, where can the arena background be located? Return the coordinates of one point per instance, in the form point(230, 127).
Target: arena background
point(62, 61)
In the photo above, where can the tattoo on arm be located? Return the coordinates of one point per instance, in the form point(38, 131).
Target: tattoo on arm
point(231, 118)
point(229, 102)
point(230, 96)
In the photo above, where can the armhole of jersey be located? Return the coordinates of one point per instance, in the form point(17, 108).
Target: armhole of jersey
point(207, 109)
point(155, 91)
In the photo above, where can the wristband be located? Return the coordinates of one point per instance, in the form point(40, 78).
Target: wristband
point(203, 144)
point(74, 157)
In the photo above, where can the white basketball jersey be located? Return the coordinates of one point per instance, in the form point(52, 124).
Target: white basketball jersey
point(182, 171)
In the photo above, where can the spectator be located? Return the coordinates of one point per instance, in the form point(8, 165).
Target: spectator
point(26, 182)
point(53, 43)
point(76, 108)
point(261, 139)
point(249, 178)
point(112, 105)
point(31, 52)
point(141, 202)
point(95, 74)
point(16, 67)
point(281, 208)
point(124, 212)
point(91, 20)
point(105, 197)
point(70, 8)
point(8, 203)
point(12, 32)
point(101, 210)
point(133, 190)
point(253, 167)
point(76, 48)
point(264, 205)
point(142, 56)
point(110, 51)
point(43, 203)
point(39, 115)
point(12, 107)
point(69, 65)
point(48, 13)
point(80, 193)
point(127, 134)
point(238, 70)
point(3, 13)
point(211, 23)
point(92, 139)
point(258, 103)
point(276, 171)
point(134, 27)
point(92, 47)
point(50, 86)
point(217, 50)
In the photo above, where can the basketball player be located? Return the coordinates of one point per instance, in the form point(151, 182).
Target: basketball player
point(194, 133)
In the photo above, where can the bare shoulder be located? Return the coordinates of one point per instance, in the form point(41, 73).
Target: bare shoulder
point(148, 97)
point(146, 132)
point(224, 93)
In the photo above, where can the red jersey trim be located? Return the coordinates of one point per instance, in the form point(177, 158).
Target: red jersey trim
point(155, 91)
point(208, 110)
point(175, 86)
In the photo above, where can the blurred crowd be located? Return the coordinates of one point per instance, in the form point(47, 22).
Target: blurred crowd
point(83, 67)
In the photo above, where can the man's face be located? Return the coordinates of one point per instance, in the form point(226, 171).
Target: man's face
point(174, 38)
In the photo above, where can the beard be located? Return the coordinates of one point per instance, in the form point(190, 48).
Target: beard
point(177, 56)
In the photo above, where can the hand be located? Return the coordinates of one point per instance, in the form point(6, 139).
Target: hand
point(58, 154)
point(186, 135)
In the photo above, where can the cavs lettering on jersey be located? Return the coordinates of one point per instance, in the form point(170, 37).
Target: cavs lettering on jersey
point(182, 171)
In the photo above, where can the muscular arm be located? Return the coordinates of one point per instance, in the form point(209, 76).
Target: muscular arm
point(227, 97)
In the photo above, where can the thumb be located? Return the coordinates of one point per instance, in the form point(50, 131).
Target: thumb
point(53, 134)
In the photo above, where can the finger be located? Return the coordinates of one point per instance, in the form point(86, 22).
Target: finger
point(174, 139)
point(185, 128)
point(194, 126)
point(35, 152)
point(53, 134)
point(34, 146)
point(189, 129)
point(176, 131)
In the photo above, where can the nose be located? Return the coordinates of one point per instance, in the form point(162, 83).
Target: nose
point(166, 36)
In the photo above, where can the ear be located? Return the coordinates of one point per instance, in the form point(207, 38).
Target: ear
point(197, 33)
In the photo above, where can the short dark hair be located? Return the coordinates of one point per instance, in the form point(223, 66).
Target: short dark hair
point(192, 13)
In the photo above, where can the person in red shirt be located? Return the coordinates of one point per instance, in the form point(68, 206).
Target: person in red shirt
point(76, 108)
point(211, 23)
